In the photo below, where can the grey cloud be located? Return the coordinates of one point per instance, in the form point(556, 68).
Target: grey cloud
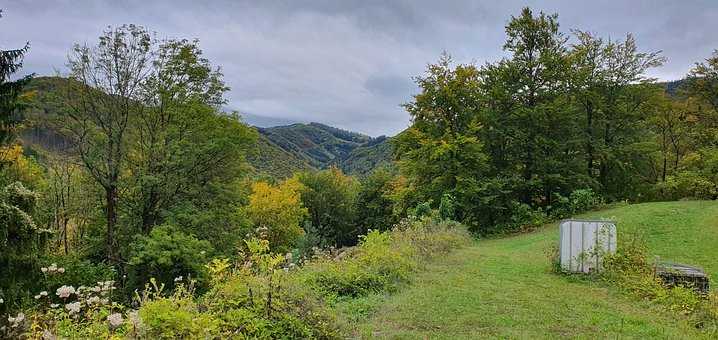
point(347, 63)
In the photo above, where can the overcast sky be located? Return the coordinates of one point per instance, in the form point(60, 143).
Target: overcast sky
point(347, 63)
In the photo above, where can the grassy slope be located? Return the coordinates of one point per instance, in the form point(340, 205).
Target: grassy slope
point(504, 288)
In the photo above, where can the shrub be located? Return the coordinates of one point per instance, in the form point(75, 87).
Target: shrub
point(383, 260)
point(177, 317)
point(261, 300)
point(687, 184)
point(630, 270)
point(167, 254)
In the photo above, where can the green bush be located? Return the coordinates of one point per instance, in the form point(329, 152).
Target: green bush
point(383, 260)
point(167, 254)
point(177, 318)
point(630, 270)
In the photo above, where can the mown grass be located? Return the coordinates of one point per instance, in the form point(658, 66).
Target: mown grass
point(504, 288)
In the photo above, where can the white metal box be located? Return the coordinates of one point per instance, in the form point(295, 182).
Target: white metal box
point(584, 242)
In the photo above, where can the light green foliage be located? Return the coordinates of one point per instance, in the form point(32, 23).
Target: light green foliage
point(261, 300)
point(383, 260)
point(166, 254)
point(176, 318)
point(505, 288)
point(631, 270)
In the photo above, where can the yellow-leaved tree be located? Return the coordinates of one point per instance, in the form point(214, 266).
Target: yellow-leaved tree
point(278, 208)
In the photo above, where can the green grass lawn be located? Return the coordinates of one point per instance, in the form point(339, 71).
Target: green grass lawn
point(504, 288)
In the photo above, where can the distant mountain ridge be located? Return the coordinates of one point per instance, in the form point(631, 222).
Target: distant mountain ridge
point(280, 151)
point(321, 146)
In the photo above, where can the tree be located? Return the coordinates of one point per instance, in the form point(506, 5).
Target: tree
point(11, 93)
point(278, 208)
point(703, 87)
point(330, 197)
point(182, 142)
point(375, 205)
point(442, 147)
point(104, 95)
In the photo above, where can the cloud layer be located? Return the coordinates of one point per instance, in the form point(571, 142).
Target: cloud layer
point(347, 64)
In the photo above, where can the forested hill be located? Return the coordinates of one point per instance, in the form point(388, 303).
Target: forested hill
point(280, 151)
point(320, 146)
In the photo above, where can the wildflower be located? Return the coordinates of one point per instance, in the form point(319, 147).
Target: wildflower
point(61, 270)
point(47, 335)
point(93, 300)
point(2, 301)
point(65, 291)
point(105, 301)
point(115, 320)
point(73, 307)
point(43, 293)
point(15, 321)
point(54, 305)
point(37, 297)
point(178, 279)
point(44, 270)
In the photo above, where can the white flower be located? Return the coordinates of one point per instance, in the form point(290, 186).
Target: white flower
point(93, 300)
point(54, 305)
point(16, 320)
point(105, 301)
point(47, 335)
point(43, 293)
point(60, 270)
point(73, 307)
point(65, 291)
point(37, 297)
point(2, 301)
point(44, 269)
point(178, 279)
point(115, 320)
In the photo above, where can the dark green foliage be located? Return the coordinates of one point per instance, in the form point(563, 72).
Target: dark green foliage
point(167, 254)
point(270, 159)
point(319, 146)
point(21, 244)
point(375, 154)
point(331, 197)
point(375, 206)
point(509, 139)
point(10, 92)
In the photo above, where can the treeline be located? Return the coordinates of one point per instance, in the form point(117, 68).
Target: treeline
point(151, 181)
point(512, 140)
point(151, 178)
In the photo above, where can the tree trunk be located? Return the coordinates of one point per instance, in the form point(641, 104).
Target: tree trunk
point(111, 209)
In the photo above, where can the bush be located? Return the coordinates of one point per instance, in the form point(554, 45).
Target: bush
point(686, 184)
point(261, 300)
point(383, 260)
point(167, 254)
point(177, 317)
point(630, 270)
